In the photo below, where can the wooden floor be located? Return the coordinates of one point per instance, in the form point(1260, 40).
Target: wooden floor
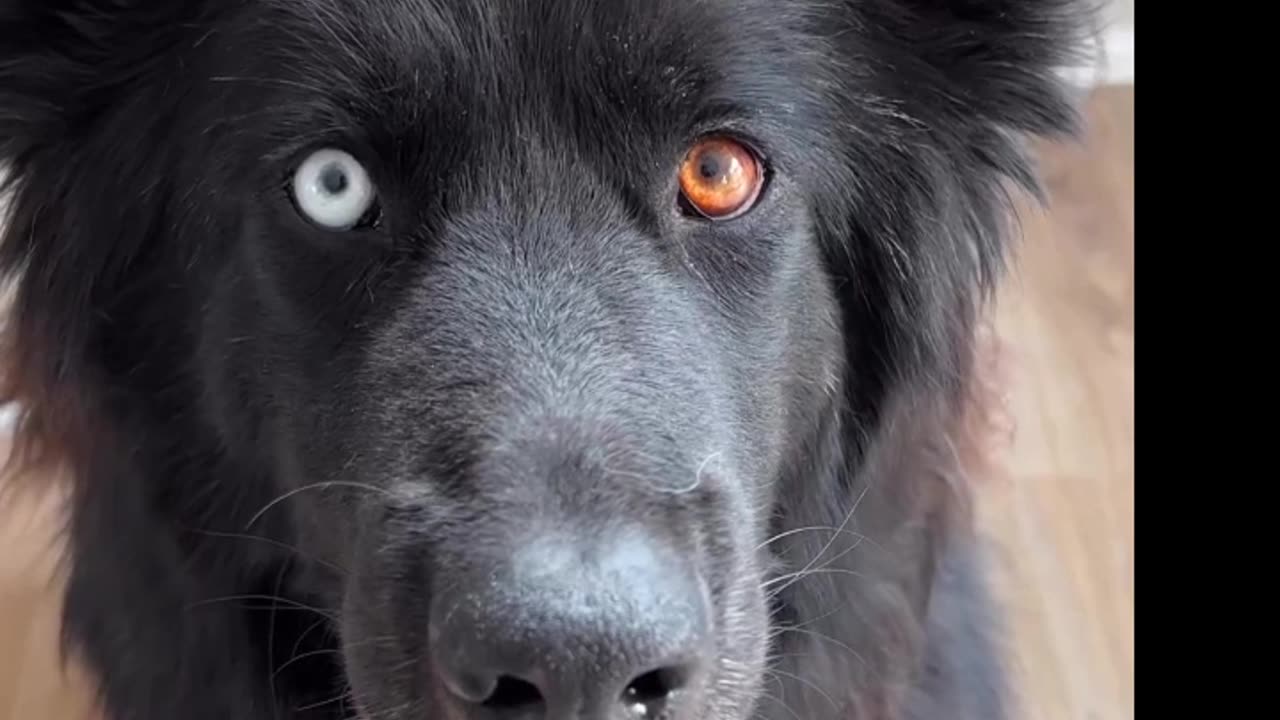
point(1057, 512)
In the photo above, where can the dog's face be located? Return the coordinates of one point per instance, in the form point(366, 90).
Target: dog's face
point(529, 320)
point(544, 301)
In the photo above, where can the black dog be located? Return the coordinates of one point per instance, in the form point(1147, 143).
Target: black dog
point(507, 359)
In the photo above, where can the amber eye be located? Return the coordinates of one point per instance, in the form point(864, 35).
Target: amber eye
point(720, 178)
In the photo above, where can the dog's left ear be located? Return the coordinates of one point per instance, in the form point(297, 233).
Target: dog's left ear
point(945, 93)
point(994, 61)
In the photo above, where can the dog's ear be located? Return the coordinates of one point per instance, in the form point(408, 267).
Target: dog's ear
point(64, 61)
point(931, 100)
point(85, 92)
point(998, 61)
point(941, 96)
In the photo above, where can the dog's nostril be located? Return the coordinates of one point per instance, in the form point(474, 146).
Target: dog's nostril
point(511, 693)
point(646, 696)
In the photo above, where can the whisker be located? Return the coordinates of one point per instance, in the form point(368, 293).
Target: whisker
point(816, 528)
point(838, 531)
point(270, 541)
point(314, 486)
point(770, 696)
point(793, 578)
point(821, 636)
point(297, 644)
point(819, 618)
point(807, 683)
point(293, 604)
point(303, 656)
point(340, 697)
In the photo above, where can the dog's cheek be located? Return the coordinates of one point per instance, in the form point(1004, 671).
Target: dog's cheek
point(795, 344)
point(381, 634)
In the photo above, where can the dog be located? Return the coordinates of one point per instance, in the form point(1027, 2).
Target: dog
point(518, 359)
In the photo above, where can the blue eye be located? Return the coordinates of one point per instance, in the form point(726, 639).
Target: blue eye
point(333, 190)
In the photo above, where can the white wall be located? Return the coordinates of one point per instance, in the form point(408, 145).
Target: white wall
point(1118, 42)
point(1120, 12)
point(1110, 60)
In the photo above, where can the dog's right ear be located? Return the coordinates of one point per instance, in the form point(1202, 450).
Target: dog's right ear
point(49, 55)
point(85, 87)
point(63, 61)
point(30, 70)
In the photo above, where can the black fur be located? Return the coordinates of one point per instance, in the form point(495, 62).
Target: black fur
point(285, 439)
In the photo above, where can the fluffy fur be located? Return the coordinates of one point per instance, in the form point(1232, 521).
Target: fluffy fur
point(285, 439)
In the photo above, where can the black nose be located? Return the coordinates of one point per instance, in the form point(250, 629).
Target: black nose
point(575, 630)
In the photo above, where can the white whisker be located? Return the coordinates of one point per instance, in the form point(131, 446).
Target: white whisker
point(315, 486)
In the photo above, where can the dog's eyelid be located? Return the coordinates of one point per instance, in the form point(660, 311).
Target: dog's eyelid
point(728, 120)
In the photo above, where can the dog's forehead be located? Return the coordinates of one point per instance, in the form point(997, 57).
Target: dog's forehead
point(524, 46)
point(430, 81)
point(454, 22)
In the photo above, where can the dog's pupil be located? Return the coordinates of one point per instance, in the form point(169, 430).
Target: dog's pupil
point(709, 167)
point(333, 180)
